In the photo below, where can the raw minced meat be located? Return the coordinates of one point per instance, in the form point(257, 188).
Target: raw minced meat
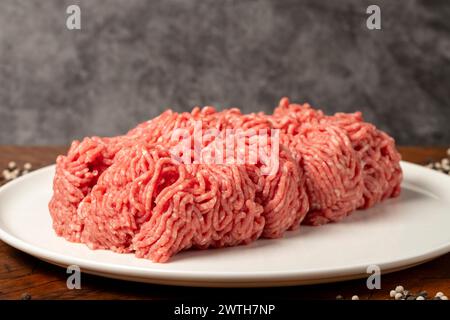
point(374, 155)
point(132, 194)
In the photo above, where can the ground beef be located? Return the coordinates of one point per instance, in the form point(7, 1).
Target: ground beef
point(78, 171)
point(333, 172)
point(76, 174)
point(380, 160)
point(148, 204)
point(131, 193)
point(371, 172)
point(282, 194)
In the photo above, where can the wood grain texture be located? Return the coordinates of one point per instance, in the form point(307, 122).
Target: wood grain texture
point(22, 274)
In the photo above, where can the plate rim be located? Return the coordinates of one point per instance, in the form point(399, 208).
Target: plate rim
point(261, 277)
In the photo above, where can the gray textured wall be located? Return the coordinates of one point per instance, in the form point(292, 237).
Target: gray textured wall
point(132, 59)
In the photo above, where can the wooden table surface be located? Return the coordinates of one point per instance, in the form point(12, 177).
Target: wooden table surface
point(21, 274)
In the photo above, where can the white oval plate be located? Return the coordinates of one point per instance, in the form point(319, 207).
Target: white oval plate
point(394, 235)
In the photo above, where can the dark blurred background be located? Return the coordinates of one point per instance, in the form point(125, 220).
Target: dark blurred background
point(133, 59)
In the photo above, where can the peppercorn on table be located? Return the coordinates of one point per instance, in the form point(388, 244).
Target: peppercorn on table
point(25, 277)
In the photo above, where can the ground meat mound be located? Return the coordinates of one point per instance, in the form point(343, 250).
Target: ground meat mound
point(380, 159)
point(349, 163)
point(148, 204)
point(133, 194)
point(76, 175)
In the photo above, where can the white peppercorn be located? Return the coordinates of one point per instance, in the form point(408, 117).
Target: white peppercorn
point(12, 165)
point(26, 296)
point(423, 294)
point(15, 173)
point(399, 289)
point(398, 296)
